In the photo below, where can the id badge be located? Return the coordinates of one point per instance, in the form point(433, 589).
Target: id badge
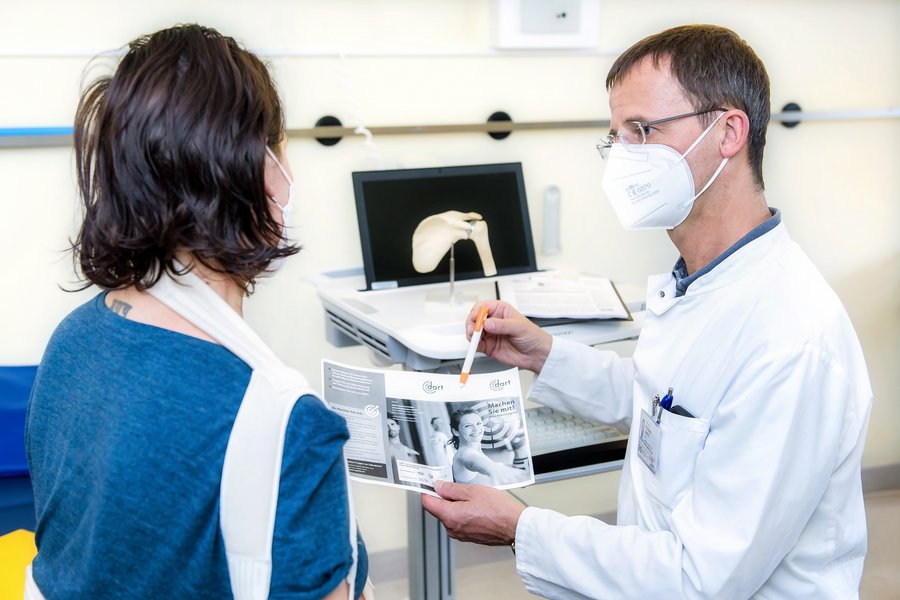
point(648, 441)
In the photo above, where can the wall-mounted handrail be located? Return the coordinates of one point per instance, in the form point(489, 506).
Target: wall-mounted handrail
point(492, 127)
point(26, 137)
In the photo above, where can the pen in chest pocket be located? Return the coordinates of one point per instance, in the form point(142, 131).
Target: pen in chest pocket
point(659, 405)
point(667, 400)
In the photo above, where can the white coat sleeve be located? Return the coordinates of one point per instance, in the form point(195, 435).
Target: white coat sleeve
point(773, 445)
point(581, 380)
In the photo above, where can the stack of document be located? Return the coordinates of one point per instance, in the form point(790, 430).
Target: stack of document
point(556, 296)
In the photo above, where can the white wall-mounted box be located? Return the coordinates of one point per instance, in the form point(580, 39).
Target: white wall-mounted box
point(536, 24)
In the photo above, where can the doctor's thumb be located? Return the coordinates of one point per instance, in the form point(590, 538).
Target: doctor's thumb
point(450, 491)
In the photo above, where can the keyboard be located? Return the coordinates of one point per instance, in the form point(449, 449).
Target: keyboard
point(552, 431)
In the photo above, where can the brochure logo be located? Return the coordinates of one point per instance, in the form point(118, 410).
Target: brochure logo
point(429, 387)
point(498, 385)
point(371, 410)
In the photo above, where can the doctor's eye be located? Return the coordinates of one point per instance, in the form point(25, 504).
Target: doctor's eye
point(633, 133)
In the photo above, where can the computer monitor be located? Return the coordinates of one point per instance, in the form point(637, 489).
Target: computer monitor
point(391, 204)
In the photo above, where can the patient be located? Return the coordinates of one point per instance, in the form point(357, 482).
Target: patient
point(440, 443)
point(180, 155)
point(399, 450)
point(470, 463)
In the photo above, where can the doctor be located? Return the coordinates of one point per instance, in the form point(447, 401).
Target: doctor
point(744, 480)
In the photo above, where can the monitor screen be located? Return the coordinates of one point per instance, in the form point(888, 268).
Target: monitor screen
point(391, 204)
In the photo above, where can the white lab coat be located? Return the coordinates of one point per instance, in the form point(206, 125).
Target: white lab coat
point(760, 494)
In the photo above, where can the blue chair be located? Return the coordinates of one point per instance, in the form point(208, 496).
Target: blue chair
point(16, 498)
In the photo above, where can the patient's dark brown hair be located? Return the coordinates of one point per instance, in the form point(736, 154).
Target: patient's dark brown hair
point(170, 153)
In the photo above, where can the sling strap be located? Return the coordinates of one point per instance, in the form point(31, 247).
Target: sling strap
point(252, 470)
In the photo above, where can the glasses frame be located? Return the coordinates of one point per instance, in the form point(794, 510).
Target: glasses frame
point(604, 145)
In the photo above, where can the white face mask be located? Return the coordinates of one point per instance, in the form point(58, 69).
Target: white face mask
point(650, 186)
point(287, 214)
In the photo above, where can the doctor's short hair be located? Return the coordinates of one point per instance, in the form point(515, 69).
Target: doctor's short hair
point(714, 67)
point(170, 156)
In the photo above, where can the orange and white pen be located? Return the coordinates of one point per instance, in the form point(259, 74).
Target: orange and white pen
point(473, 345)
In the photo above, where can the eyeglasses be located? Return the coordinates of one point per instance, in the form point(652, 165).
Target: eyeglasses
point(636, 132)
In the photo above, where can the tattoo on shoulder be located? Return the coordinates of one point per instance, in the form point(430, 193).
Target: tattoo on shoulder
point(120, 307)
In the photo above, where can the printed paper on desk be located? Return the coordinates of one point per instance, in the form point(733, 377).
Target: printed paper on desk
point(400, 427)
point(555, 296)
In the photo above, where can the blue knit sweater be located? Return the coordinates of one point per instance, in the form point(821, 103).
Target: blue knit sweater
point(125, 438)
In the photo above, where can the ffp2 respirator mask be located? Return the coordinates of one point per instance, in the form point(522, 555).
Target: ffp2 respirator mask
point(650, 186)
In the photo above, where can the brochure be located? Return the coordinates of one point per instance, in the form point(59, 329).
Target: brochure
point(557, 296)
point(409, 429)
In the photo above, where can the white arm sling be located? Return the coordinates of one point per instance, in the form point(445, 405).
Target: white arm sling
point(252, 470)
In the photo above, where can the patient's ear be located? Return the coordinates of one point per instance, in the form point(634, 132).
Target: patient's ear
point(275, 182)
point(270, 191)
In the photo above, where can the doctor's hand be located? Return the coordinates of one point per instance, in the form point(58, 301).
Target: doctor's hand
point(475, 513)
point(509, 337)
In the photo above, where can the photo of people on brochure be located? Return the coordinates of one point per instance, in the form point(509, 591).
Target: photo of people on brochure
point(409, 429)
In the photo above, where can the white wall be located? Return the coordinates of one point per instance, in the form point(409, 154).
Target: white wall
point(836, 182)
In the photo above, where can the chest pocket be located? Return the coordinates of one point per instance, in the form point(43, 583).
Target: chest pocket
point(681, 440)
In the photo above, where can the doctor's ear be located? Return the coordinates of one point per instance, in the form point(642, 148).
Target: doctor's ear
point(737, 131)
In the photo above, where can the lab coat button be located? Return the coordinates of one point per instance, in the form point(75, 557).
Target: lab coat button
point(662, 294)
